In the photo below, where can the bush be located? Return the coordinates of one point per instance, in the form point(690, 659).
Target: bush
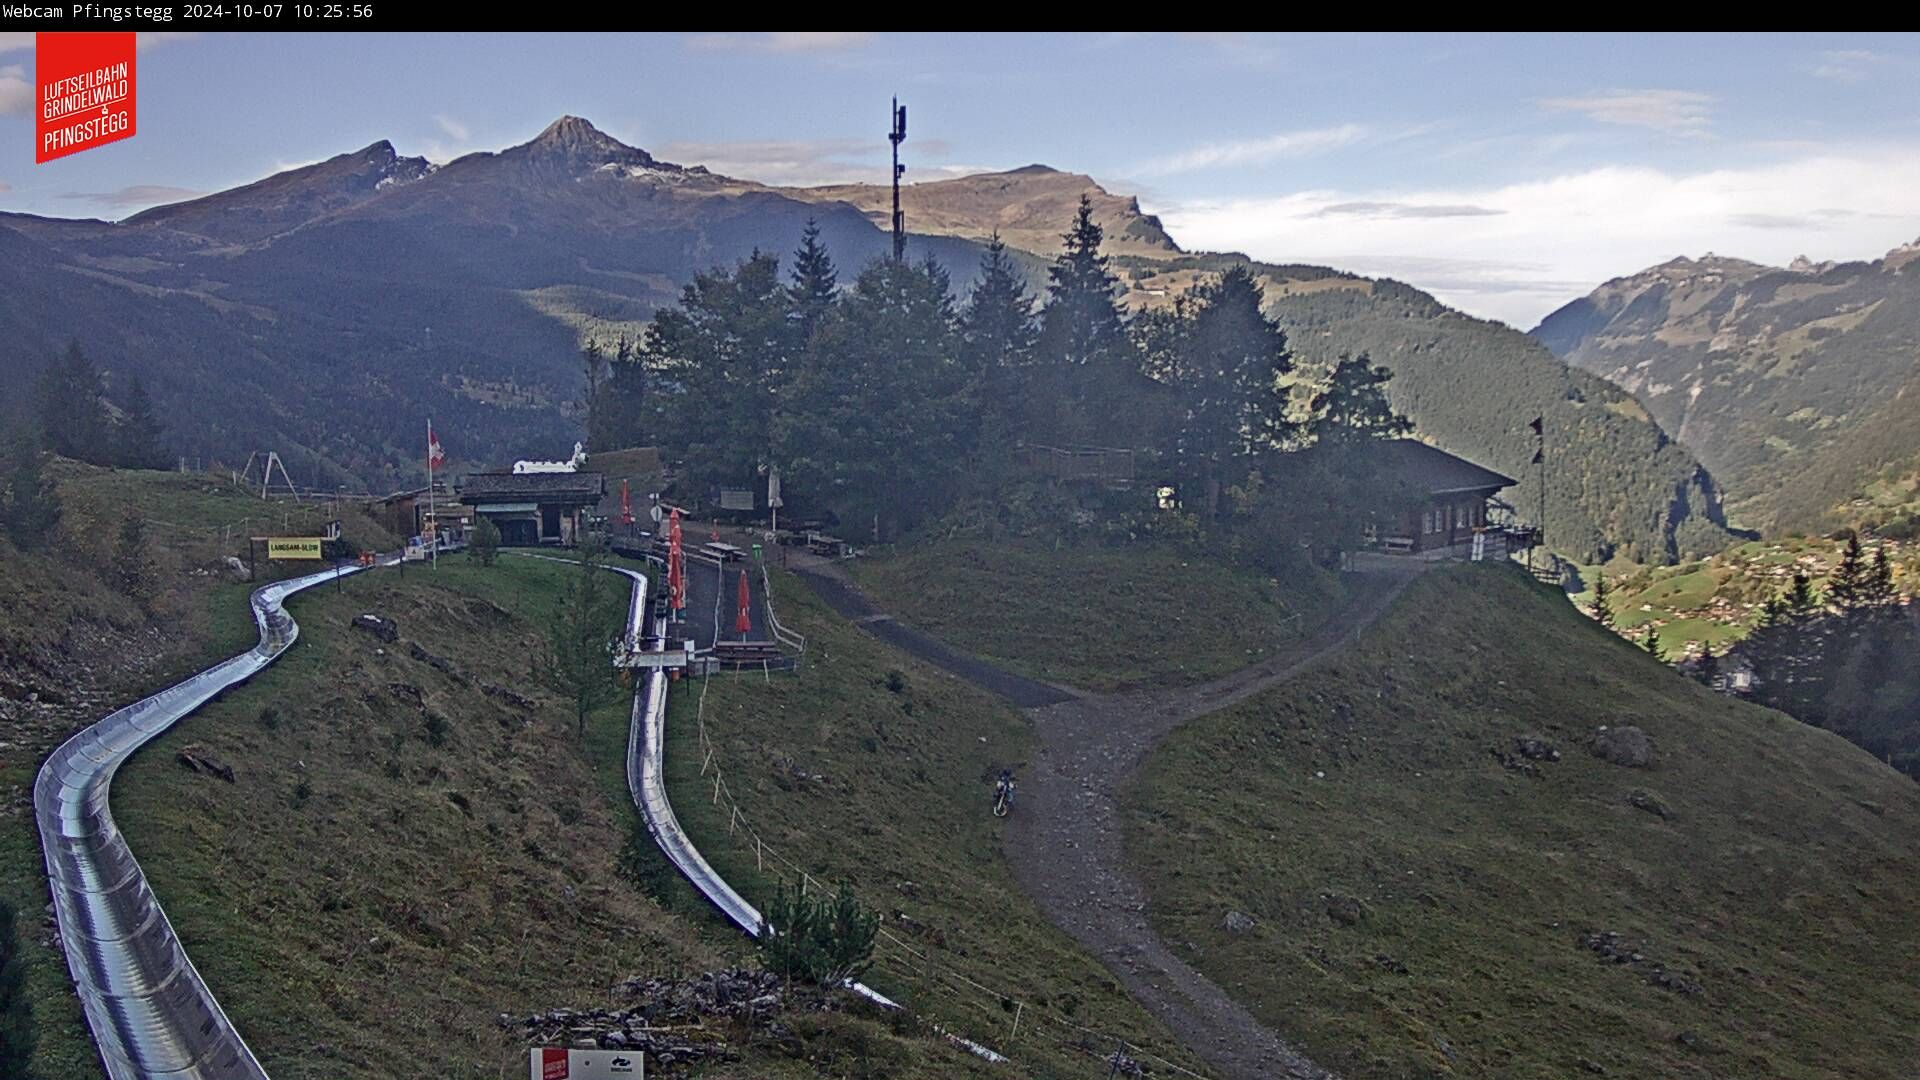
point(818, 939)
point(483, 544)
point(16, 1013)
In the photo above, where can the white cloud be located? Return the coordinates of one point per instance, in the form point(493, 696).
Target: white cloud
point(1847, 65)
point(15, 41)
point(1676, 112)
point(804, 162)
point(458, 131)
point(792, 41)
point(136, 195)
point(1551, 240)
point(16, 93)
point(1286, 144)
point(156, 38)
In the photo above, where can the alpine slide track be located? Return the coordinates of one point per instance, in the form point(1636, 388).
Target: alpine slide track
point(154, 1018)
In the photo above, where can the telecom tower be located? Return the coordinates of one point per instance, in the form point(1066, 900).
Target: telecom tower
point(896, 137)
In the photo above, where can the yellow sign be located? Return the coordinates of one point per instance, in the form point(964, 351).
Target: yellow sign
point(293, 547)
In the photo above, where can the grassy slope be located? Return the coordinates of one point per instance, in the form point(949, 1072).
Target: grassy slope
point(1784, 882)
point(1096, 619)
point(418, 890)
point(56, 610)
point(901, 813)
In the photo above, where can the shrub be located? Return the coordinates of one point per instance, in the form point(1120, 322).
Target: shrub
point(824, 940)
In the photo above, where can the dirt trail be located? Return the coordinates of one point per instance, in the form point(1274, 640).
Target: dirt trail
point(1065, 838)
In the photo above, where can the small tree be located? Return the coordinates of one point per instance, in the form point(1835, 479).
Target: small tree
point(1847, 579)
point(1652, 643)
point(580, 640)
point(16, 1012)
point(132, 571)
point(484, 545)
point(826, 941)
point(30, 507)
point(1709, 668)
point(1602, 600)
point(139, 438)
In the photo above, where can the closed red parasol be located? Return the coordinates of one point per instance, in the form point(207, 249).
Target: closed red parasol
point(744, 624)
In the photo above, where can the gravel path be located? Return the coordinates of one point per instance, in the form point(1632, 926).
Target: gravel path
point(1065, 838)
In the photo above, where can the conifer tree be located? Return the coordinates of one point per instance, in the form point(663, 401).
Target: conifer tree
point(1233, 357)
point(1844, 584)
point(138, 437)
point(73, 415)
point(29, 504)
point(998, 326)
point(1602, 601)
point(815, 281)
point(1353, 404)
point(1652, 644)
point(1876, 587)
point(1082, 323)
point(17, 1037)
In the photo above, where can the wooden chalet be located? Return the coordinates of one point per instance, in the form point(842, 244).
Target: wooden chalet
point(535, 508)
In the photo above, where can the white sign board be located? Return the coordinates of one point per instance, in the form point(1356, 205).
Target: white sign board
point(736, 498)
point(551, 1063)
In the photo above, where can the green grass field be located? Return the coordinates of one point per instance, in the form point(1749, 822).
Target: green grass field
point(1095, 619)
point(69, 637)
point(1422, 910)
point(871, 767)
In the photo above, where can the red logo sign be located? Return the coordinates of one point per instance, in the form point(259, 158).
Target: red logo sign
point(83, 92)
point(553, 1064)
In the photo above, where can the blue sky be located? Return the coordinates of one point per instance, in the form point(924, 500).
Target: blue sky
point(1505, 174)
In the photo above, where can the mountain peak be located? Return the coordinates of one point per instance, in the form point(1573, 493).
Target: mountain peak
point(575, 143)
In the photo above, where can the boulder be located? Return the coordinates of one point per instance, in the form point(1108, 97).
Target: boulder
point(1345, 910)
point(1237, 922)
point(381, 628)
point(1626, 746)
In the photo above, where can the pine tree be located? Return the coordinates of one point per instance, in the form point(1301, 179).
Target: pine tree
point(1800, 595)
point(1876, 588)
point(138, 437)
point(879, 413)
point(1602, 601)
point(1232, 360)
point(1653, 646)
point(483, 544)
point(31, 505)
point(1353, 404)
point(17, 1037)
point(1084, 353)
point(580, 638)
point(132, 570)
point(1844, 584)
point(1082, 323)
point(815, 281)
point(998, 325)
point(73, 415)
point(1708, 669)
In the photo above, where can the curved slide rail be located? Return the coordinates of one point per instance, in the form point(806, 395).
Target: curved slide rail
point(152, 1016)
point(647, 780)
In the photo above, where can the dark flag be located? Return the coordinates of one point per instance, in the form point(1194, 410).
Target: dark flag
point(1535, 425)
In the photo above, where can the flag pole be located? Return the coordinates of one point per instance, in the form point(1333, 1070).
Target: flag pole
point(432, 514)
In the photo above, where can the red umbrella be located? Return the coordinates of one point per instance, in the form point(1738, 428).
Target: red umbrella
point(744, 624)
point(626, 505)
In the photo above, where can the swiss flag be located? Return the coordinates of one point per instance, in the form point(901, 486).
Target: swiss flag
point(435, 455)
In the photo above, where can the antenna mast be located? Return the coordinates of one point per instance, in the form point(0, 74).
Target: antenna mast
point(896, 137)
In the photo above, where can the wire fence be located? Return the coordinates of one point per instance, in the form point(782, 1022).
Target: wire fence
point(899, 958)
